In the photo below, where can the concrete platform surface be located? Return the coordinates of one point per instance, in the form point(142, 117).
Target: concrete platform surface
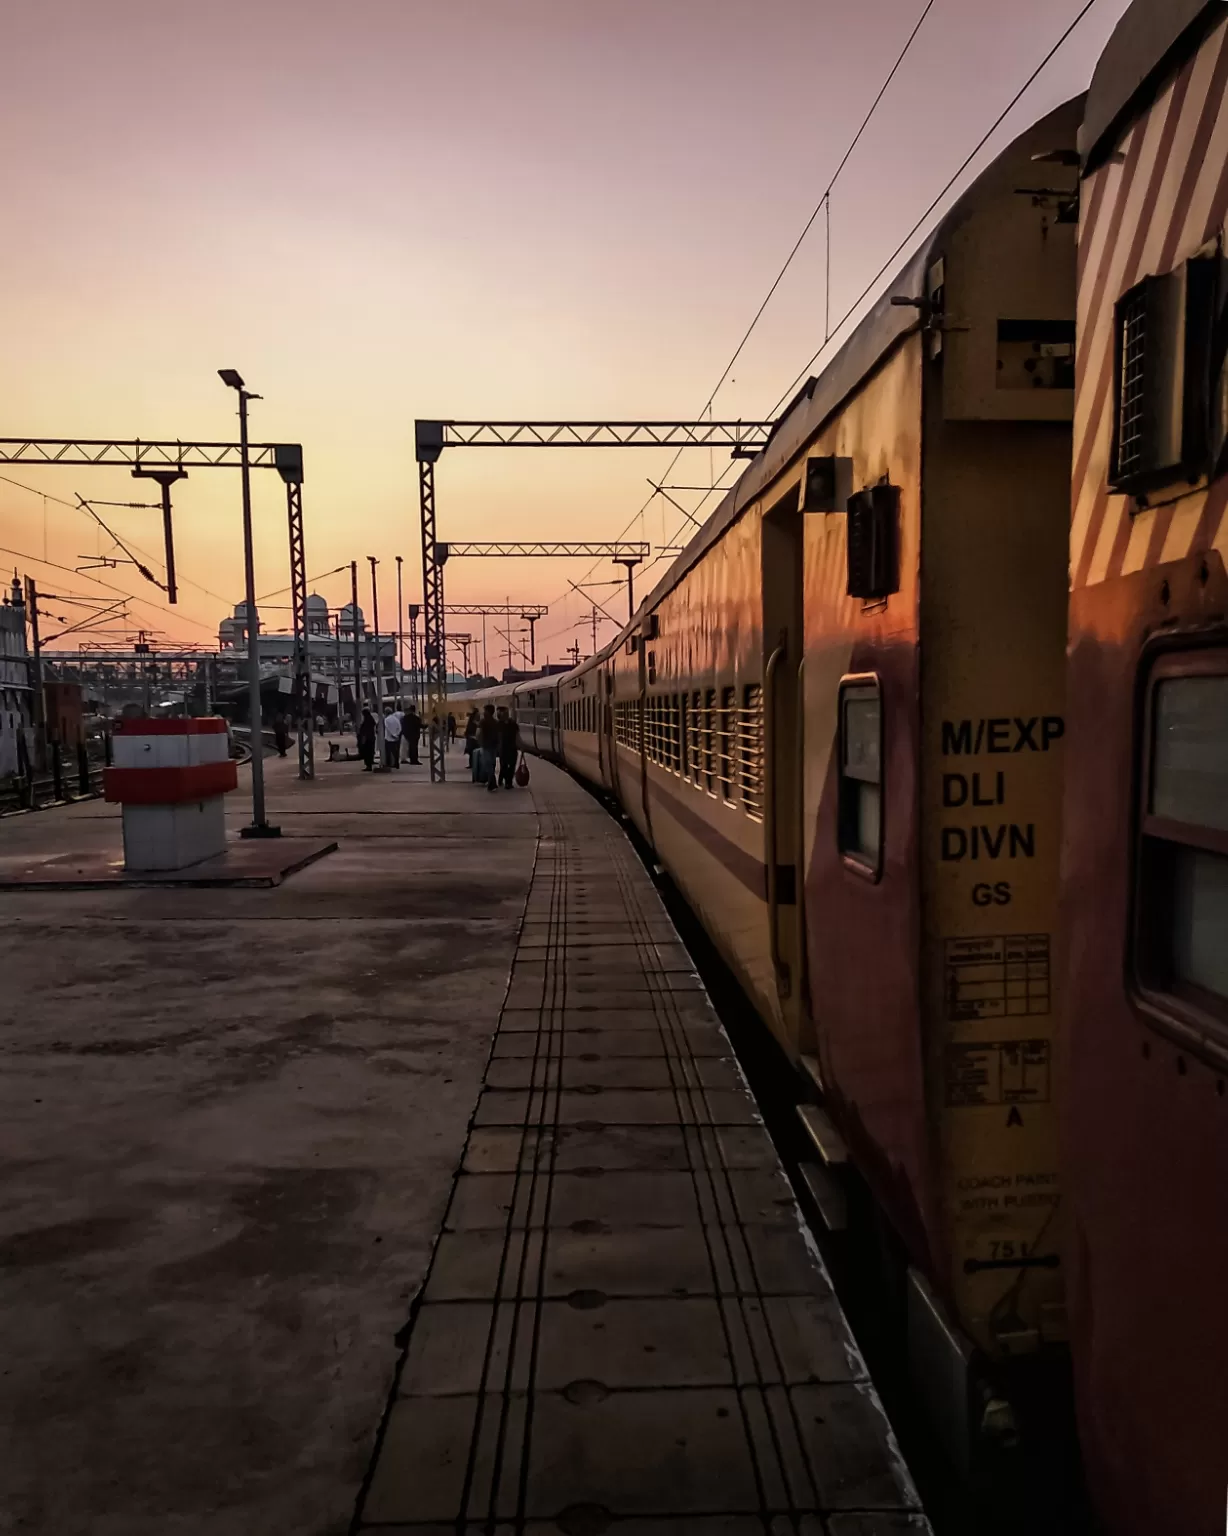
point(625, 1327)
point(419, 1193)
point(260, 862)
point(229, 1120)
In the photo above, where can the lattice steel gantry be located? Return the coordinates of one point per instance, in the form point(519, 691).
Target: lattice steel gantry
point(743, 438)
point(167, 462)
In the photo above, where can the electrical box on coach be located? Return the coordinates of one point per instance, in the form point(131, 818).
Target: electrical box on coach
point(171, 777)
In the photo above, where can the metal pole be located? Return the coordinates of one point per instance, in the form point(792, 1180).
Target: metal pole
point(168, 539)
point(337, 628)
point(39, 703)
point(414, 677)
point(400, 639)
point(485, 662)
point(357, 648)
point(302, 642)
point(259, 825)
point(376, 664)
point(434, 556)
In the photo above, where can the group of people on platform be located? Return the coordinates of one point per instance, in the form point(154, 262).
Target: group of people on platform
point(492, 741)
point(492, 745)
point(387, 733)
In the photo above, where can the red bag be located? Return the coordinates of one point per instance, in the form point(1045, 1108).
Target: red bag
point(522, 772)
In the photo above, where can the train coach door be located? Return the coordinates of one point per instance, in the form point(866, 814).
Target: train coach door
point(783, 750)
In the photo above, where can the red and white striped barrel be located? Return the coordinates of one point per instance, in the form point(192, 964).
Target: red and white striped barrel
point(170, 776)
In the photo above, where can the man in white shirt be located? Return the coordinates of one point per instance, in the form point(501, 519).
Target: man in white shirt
point(392, 738)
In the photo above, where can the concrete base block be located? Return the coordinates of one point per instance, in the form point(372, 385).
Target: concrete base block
point(173, 836)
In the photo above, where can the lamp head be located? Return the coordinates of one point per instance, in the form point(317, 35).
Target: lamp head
point(231, 377)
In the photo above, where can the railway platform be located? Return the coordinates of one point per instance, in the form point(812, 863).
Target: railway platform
point(419, 1193)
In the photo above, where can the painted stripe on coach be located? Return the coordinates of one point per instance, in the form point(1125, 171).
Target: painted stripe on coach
point(1089, 343)
point(744, 867)
point(1087, 234)
point(1148, 153)
point(1130, 274)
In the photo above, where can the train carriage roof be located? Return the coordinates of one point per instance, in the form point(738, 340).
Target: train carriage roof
point(874, 337)
point(1147, 46)
point(870, 342)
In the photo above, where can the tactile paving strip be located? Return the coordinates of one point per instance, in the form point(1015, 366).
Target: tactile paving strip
point(625, 1327)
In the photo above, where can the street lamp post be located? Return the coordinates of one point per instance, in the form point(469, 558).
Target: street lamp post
point(260, 826)
point(400, 637)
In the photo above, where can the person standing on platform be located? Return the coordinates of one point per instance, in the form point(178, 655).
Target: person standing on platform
point(281, 733)
point(451, 729)
point(509, 748)
point(488, 748)
point(411, 732)
point(392, 738)
point(366, 738)
point(471, 744)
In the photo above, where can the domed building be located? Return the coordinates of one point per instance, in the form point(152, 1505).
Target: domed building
point(347, 620)
point(317, 615)
point(240, 623)
point(227, 633)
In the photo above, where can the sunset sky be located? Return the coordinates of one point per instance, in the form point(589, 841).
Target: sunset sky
point(382, 209)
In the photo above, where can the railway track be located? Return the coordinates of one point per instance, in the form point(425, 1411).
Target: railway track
point(47, 789)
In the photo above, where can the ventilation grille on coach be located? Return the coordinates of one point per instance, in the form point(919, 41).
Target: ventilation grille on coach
point(1132, 387)
point(1162, 370)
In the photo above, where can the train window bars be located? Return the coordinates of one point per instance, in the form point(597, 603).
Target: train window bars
point(750, 750)
point(727, 724)
point(709, 740)
point(860, 798)
point(1181, 907)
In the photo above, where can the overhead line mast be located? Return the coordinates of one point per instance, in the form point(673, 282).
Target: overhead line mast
point(744, 439)
point(165, 462)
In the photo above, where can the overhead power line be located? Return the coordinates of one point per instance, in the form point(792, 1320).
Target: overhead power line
point(824, 200)
point(902, 246)
point(72, 507)
point(980, 145)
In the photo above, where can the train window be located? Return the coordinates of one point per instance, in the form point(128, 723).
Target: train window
point(697, 718)
point(1181, 957)
point(709, 741)
point(859, 805)
point(872, 534)
point(685, 727)
point(726, 730)
point(750, 750)
point(675, 734)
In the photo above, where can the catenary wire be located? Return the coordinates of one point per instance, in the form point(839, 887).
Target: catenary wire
point(980, 145)
point(823, 201)
point(886, 266)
